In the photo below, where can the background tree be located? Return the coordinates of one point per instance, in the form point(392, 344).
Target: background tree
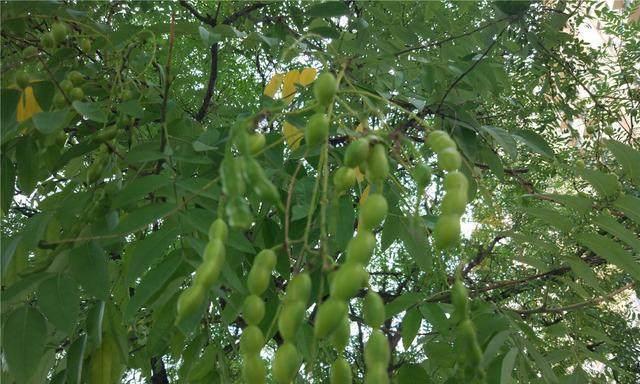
point(273, 191)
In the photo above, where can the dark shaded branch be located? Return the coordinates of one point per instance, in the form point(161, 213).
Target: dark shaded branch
point(207, 19)
point(159, 375)
point(483, 252)
point(213, 77)
point(243, 12)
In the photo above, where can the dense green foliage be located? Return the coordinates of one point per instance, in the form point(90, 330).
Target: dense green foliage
point(406, 192)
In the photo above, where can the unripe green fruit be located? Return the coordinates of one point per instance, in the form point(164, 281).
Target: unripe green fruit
point(209, 271)
point(213, 250)
point(422, 175)
point(468, 343)
point(340, 336)
point(76, 77)
point(299, 288)
point(440, 140)
point(373, 211)
point(361, 247)
point(106, 134)
point(66, 85)
point(456, 180)
point(59, 32)
point(376, 374)
point(356, 153)
point(240, 216)
point(328, 318)
point(261, 185)
point(190, 300)
point(22, 79)
point(258, 279)
point(219, 230)
point(449, 159)
point(447, 231)
point(460, 298)
point(266, 259)
point(349, 280)
point(256, 142)
point(376, 351)
point(253, 369)
point(47, 41)
point(85, 45)
point(609, 130)
point(59, 101)
point(253, 309)
point(29, 52)
point(454, 202)
point(344, 178)
point(76, 94)
point(325, 88)
point(290, 318)
point(373, 310)
point(251, 340)
point(317, 130)
point(126, 94)
point(340, 372)
point(580, 164)
point(286, 363)
point(377, 163)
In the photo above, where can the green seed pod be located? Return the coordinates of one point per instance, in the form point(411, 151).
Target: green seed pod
point(262, 186)
point(231, 170)
point(23, 79)
point(219, 230)
point(328, 318)
point(349, 280)
point(66, 85)
point(454, 202)
point(373, 310)
point(47, 41)
point(377, 163)
point(253, 310)
point(449, 159)
point(286, 363)
point(317, 130)
point(439, 140)
point(76, 94)
point(59, 101)
point(213, 250)
point(376, 351)
point(290, 318)
point(456, 180)
point(251, 340)
point(266, 259)
point(361, 247)
point(258, 279)
point(373, 211)
point(325, 88)
point(85, 45)
point(340, 372)
point(468, 343)
point(106, 134)
point(356, 153)
point(29, 52)
point(340, 337)
point(59, 32)
point(76, 78)
point(190, 300)
point(253, 369)
point(376, 374)
point(299, 288)
point(460, 299)
point(256, 142)
point(447, 231)
point(239, 214)
point(422, 175)
point(344, 178)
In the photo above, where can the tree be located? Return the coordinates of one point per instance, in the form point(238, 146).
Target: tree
point(303, 192)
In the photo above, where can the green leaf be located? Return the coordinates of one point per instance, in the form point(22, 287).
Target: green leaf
point(410, 326)
point(535, 142)
point(610, 251)
point(414, 237)
point(138, 189)
point(59, 301)
point(141, 217)
point(611, 225)
point(24, 338)
point(328, 9)
point(28, 164)
point(584, 272)
point(493, 348)
point(604, 183)
point(508, 362)
point(50, 122)
point(401, 303)
point(503, 138)
point(576, 202)
point(411, 374)
point(89, 268)
point(7, 183)
point(152, 282)
point(91, 111)
point(628, 157)
point(75, 359)
point(132, 108)
point(145, 252)
point(630, 206)
point(551, 217)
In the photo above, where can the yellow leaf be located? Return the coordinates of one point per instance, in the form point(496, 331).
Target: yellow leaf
point(292, 135)
point(273, 86)
point(307, 76)
point(27, 105)
point(289, 84)
point(363, 198)
point(359, 175)
point(360, 128)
